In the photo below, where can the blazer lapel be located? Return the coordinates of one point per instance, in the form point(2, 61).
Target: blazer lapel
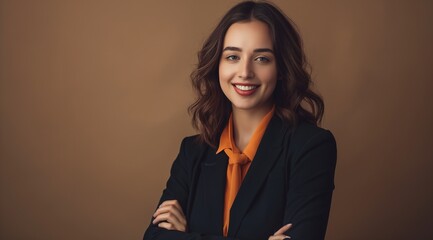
point(267, 153)
point(214, 173)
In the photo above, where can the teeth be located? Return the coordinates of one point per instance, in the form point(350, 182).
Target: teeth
point(245, 88)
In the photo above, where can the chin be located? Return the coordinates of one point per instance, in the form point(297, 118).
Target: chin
point(246, 106)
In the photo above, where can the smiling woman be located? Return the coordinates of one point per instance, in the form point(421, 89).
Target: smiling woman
point(247, 69)
point(260, 168)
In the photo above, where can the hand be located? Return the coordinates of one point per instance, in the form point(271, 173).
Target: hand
point(169, 215)
point(278, 235)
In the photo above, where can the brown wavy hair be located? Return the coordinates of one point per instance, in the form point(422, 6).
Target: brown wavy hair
point(293, 98)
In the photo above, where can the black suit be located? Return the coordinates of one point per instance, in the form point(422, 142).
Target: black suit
point(290, 180)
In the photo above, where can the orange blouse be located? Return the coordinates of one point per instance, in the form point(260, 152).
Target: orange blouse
point(239, 162)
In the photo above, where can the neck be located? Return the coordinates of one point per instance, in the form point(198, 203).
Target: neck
point(245, 122)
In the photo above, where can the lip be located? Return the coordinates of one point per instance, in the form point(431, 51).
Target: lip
point(245, 92)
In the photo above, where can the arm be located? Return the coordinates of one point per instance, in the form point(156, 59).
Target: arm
point(178, 188)
point(310, 187)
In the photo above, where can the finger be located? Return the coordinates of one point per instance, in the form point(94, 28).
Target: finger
point(168, 202)
point(173, 210)
point(283, 229)
point(171, 226)
point(177, 205)
point(173, 222)
point(166, 225)
point(166, 209)
point(173, 203)
point(278, 237)
point(168, 217)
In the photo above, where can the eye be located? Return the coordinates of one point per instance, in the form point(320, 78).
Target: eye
point(232, 58)
point(262, 59)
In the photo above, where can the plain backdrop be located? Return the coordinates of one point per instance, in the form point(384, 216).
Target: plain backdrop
point(93, 98)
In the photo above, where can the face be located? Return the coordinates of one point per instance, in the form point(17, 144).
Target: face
point(247, 68)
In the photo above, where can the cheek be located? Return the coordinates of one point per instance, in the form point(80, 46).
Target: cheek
point(224, 73)
point(270, 88)
point(223, 78)
point(269, 77)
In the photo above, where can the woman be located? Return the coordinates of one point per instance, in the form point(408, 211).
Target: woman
point(260, 167)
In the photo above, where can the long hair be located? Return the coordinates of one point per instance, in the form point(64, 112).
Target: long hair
point(293, 98)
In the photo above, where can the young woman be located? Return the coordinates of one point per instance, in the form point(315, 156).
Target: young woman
point(260, 168)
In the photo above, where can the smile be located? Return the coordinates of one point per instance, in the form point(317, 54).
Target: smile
point(246, 87)
point(245, 90)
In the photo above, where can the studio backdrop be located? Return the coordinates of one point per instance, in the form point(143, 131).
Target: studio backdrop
point(93, 99)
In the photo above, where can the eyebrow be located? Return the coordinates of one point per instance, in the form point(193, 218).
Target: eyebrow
point(257, 50)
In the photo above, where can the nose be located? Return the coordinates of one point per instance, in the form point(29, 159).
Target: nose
point(245, 70)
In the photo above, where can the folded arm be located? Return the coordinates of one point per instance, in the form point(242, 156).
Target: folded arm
point(310, 188)
point(177, 188)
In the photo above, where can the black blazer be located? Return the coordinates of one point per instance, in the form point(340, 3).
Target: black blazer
point(290, 180)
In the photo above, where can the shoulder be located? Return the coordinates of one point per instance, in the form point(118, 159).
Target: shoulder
point(306, 136)
point(188, 156)
point(192, 149)
point(192, 144)
point(304, 132)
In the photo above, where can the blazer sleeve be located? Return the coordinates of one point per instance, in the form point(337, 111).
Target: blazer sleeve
point(311, 183)
point(178, 188)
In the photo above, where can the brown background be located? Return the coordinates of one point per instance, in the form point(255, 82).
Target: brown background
point(93, 98)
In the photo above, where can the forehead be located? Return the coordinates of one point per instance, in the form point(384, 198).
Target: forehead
point(251, 34)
